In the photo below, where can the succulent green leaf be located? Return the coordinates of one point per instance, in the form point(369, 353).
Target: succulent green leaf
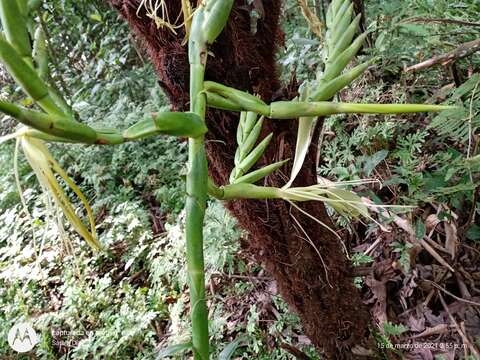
point(27, 78)
point(15, 28)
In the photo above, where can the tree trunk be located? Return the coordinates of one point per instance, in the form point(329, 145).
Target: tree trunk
point(305, 259)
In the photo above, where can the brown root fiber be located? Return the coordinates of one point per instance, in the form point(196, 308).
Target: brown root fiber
point(328, 304)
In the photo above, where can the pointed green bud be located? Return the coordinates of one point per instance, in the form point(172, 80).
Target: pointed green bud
point(339, 28)
point(345, 39)
point(169, 123)
point(259, 174)
point(247, 145)
point(335, 66)
point(240, 126)
point(250, 121)
point(245, 100)
point(215, 18)
point(253, 156)
point(329, 89)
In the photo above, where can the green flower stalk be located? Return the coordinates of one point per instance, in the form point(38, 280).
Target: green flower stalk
point(59, 128)
point(291, 110)
point(295, 109)
point(52, 124)
point(207, 23)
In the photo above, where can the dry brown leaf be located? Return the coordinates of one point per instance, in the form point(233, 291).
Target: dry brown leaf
point(379, 291)
point(416, 324)
point(451, 238)
point(435, 330)
point(431, 222)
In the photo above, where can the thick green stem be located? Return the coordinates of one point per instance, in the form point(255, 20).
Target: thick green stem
point(237, 100)
point(291, 110)
point(197, 179)
point(207, 23)
point(196, 203)
point(59, 128)
point(52, 124)
point(243, 191)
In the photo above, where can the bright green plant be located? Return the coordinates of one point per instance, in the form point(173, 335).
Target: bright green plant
point(56, 121)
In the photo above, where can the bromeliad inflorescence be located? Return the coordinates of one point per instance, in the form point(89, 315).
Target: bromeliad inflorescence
point(51, 119)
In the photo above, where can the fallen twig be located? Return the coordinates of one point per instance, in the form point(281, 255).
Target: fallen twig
point(436, 330)
point(465, 339)
point(463, 50)
point(440, 21)
point(469, 302)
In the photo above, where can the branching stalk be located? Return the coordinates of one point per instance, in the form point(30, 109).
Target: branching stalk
point(207, 23)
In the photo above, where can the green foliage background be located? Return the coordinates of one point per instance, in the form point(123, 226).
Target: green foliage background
point(132, 299)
